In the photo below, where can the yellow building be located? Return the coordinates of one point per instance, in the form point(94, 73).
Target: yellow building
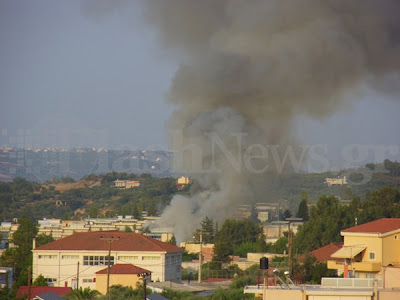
point(368, 248)
point(182, 181)
point(123, 274)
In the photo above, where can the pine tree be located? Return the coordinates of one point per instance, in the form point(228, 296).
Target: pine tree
point(303, 208)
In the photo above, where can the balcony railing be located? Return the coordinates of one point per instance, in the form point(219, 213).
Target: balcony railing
point(350, 282)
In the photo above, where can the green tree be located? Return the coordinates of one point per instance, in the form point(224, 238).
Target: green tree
point(128, 229)
point(208, 229)
point(43, 239)
point(287, 214)
point(383, 203)
point(280, 246)
point(327, 219)
point(40, 281)
point(302, 212)
point(94, 212)
point(23, 240)
point(82, 294)
point(253, 214)
point(172, 241)
point(232, 234)
point(245, 248)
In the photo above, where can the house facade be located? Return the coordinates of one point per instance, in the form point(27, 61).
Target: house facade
point(368, 248)
point(74, 260)
point(122, 274)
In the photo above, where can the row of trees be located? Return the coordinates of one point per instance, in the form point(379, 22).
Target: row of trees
point(106, 200)
point(20, 257)
point(328, 217)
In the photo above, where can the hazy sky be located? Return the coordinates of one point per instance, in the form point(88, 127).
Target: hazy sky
point(73, 80)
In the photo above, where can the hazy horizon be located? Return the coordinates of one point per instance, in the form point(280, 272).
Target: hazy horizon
point(72, 79)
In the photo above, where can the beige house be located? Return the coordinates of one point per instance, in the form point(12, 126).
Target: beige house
point(87, 253)
point(123, 274)
point(275, 230)
point(182, 181)
point(367, 248)
point(126, 184)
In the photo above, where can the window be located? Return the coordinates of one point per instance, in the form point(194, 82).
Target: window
point(151, 257)
point(87, 280)
point(47, 256)
point(372, 256)
point(128, 257)
point(97, 260)
point(70, 257)
point(50, 281)
point(396, 237)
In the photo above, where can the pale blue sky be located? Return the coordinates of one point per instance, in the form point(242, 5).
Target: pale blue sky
point(72, 80)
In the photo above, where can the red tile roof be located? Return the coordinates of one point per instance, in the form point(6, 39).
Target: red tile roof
point(124, 269)
point(378, 226)
point(38, 290)
point(324, 253)
point(92, 241)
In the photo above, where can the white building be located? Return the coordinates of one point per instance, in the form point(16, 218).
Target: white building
point(60, 260)
point(336, 181)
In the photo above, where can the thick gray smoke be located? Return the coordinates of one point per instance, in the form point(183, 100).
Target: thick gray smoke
point(248, 68)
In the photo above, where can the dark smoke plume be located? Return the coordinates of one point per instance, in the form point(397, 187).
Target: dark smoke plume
point(250, 67)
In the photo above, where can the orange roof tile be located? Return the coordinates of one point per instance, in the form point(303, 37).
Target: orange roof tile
point(124, 269)
point(92, 241)
point(378, 226)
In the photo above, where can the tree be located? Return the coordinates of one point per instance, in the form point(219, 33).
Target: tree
point(23, 240)
point(253, 214)
point(172, 241)
point(287, 214)
point(302, 212)
point(82, 294)
point(280, 246)
point(208, 229)
point(94, 212)
point(40, 281)
point(245, 248)
point(232, 234)
point(43, 239)
point(128, 229)
point(327, 219)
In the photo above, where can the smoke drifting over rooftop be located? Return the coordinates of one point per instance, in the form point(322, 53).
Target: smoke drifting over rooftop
point(248, 68)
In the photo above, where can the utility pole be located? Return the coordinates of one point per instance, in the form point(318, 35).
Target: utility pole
point(29, 281)
point(200, 255)
point(77, 277)
point(144, 288)
point(290, 242)
point(109, 240)
point(290, 250)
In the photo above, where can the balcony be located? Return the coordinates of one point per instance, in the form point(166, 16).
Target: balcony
point(366, 266)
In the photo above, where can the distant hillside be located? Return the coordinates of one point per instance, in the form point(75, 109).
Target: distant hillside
point(96, 195)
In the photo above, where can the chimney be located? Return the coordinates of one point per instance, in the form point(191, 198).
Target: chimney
point(34, 243)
